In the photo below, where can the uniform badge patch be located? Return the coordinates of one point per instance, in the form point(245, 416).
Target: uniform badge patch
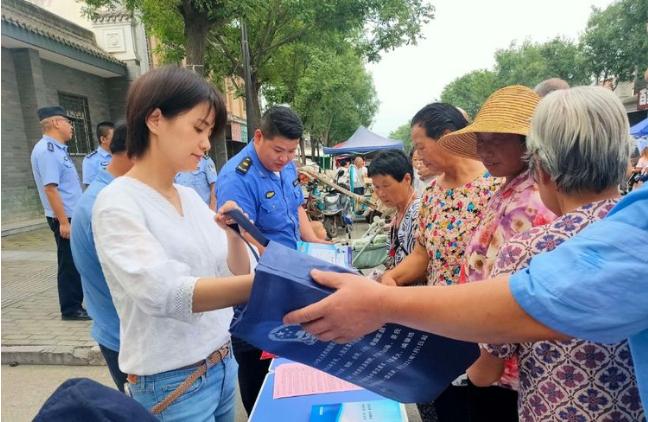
point(50, 146)
point(270, 194)
point(296, 182)
point(244, 165)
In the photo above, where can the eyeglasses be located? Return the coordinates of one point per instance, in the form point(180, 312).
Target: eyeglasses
point(66, 120)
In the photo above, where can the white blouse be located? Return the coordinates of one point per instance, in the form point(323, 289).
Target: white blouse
point(152, 257)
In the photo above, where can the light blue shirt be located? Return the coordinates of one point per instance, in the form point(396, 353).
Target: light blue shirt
point(51, 164)
point(595, 286)
point(201, 180)
point(93, 162)
point(96, 295)
point(271, 200)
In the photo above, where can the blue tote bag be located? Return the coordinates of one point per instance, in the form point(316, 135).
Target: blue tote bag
point(397, 362)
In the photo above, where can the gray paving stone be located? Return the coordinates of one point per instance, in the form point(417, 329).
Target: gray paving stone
point(32, 329)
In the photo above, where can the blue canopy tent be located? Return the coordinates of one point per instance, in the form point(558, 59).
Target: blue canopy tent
point(363, 141)
point(640, 129)
point(640, 132)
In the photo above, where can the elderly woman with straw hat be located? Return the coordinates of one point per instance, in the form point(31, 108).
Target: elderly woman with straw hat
point(579, 148)
point(497, 138)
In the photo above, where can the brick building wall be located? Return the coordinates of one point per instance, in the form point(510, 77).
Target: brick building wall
point(29, 82)
point(19, 196)
point(59, 78)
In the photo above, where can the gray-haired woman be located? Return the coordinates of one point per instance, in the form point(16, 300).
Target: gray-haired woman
point(579, 149)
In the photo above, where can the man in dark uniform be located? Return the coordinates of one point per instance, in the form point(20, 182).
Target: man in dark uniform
point(262, 180)
point(59, 189)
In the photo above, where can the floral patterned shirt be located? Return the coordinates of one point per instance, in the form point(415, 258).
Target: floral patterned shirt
point(573, 380)
point(447, 220)
point(515, 208)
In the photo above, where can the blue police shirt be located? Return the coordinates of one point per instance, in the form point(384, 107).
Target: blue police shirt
point(93, 162)
point(96, 295)
point(595, 286)
point(271, 201)
point(51, 164)
point(201, 179)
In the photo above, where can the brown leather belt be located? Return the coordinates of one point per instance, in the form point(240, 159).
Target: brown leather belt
point(201, 367)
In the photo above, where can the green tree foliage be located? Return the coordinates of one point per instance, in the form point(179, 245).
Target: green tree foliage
point(403, 133)
point(615, 42)
point(526, 64)
point(531, 63)
point(470, 90)
point(370, 26)
point(329, 88)
point(181, 26)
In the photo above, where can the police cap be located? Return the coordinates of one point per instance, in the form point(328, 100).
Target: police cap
point(51, 111)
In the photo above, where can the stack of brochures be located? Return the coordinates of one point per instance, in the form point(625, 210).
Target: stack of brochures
point(331, 253)
point(364, 411)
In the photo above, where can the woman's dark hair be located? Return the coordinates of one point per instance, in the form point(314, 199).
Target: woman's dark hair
point(118, 143)
point(173, 90)
point(392, 163)
point(437, 118)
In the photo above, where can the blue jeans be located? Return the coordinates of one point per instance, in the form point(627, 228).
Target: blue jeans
point(210, 398)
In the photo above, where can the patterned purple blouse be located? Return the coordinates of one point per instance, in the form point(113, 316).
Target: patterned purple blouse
point(573, 380)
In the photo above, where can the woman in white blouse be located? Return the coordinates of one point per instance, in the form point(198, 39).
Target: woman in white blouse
point(173, 272)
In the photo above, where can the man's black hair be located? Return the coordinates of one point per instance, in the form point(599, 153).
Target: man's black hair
point(281, 121)
point(103, 129)
point(438, 118)
point(392, 163)
point(118, 143)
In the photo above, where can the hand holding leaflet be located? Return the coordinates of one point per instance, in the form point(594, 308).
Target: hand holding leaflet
point(395, 361)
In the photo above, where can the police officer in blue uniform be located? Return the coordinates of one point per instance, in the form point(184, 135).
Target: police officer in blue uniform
point(59, 189)
point(262, 180)
point(99, 158)
point(202, 180)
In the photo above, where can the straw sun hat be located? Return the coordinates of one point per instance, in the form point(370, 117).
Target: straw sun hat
point(507, 110)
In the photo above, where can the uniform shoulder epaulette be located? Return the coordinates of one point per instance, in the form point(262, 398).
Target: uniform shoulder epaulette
point(50, 147)
point(91, 154)
point(244, 166)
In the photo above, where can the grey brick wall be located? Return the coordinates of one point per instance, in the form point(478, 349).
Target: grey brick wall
point(28, 82)
point(59, 78)
point(19, 196)
point(117, 91)
point(31, 88)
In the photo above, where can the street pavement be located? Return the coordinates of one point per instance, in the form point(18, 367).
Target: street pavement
point(32, 329)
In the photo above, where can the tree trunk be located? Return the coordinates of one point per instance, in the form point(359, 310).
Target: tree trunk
point(313, 149)
point(256, 106)
point(302, 147)
point(219, 151)
point(196, 27)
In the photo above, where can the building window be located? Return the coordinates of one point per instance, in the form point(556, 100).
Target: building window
point(79, 114)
